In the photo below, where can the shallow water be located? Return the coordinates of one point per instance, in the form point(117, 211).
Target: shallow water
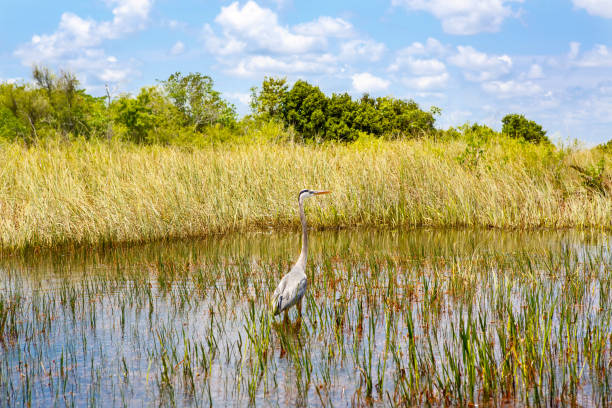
point(391, 317)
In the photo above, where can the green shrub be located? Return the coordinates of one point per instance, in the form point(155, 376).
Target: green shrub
point(312, 114)
point(198, 102)
point(471, 133)
point(268, 103)
point(517, 126)
point(304, 109)
point(52, 105)
point(11, 128)
point(342, 116)
point(606, 147)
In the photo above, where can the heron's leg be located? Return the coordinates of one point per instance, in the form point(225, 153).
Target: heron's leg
point(299, 319)
point(286, 316)
point(300, 309)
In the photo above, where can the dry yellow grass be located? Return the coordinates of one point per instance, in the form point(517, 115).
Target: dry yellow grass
point(94, 192)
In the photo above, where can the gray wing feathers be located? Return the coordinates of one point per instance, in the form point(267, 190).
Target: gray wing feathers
point(289, 291)
point(277, 298)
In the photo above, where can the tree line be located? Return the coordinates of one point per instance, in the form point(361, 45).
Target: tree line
point(187, 107)
point(339, 117)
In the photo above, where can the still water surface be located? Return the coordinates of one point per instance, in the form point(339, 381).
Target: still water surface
point(391, 317)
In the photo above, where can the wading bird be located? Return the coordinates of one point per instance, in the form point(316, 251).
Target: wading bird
point(293, 285)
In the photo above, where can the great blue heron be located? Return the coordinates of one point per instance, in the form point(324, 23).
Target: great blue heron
point(293, 285)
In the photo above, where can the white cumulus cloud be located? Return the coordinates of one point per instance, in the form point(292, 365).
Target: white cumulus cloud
point(574, 50)
point(535, 72)
point(222, 46)
point(512, 88)
point(76, 41)
point(421, 59)
point(267, 64)
point(422, 66)
point(465, 17)
point(130, 15)
point(362, 49)
point(326, 26)
point(599, 57)
point(93, 65)
point(366, 82)
point(431, 47)
point(601, 8)
point(249, 40)
point(479, 66)
point(427, 82)
point(178, 48)
point(418, 66)
point(241, 97)
point(75, 33)
point(259, 26)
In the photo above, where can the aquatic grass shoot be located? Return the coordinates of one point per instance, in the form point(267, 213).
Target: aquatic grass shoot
point(389, 320)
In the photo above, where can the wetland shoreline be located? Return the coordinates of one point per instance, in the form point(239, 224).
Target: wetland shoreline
point(104, 193)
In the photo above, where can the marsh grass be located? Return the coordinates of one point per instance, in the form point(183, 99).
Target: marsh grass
point(93, 193)
point(388, 320)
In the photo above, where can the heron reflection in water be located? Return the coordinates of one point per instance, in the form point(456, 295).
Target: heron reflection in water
point(293, 285)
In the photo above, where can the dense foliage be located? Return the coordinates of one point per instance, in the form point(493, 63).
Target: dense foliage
point(188, 110)
point(518, 126)
point(606, 147)
point(54, 103)
point(339, 117)
point(179, 109)
point(199, 103)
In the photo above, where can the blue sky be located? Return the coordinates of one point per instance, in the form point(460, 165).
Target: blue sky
point(476, 59)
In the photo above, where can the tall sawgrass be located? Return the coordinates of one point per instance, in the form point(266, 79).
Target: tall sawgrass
point(105, 192)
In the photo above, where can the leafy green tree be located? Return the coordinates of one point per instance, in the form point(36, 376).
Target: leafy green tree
point(305, 109)
point(44, 78)
point(149, 118)
point(367, 117)
point(199, 103)
point(30, 107)
point(71, 108)
point(340, 117)
point(477, 133)
point(52, 104)
point(11, 128)
point(400, 117)
point(136, 114)
point(268, 103)
point(517, 126)
point(92, 115)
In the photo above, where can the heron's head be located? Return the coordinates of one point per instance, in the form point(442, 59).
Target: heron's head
point(309, 193)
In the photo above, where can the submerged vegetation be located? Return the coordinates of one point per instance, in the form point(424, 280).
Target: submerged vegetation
point(394, 319)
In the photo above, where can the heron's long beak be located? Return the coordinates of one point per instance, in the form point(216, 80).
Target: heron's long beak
point(322, 192)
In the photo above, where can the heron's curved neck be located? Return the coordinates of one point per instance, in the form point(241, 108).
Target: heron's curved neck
point(304, 253)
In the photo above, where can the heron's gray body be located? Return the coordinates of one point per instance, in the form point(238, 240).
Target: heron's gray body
point(290, 290)
point(293, 285)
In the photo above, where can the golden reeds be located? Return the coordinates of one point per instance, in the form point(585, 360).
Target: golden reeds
point(95, 192)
